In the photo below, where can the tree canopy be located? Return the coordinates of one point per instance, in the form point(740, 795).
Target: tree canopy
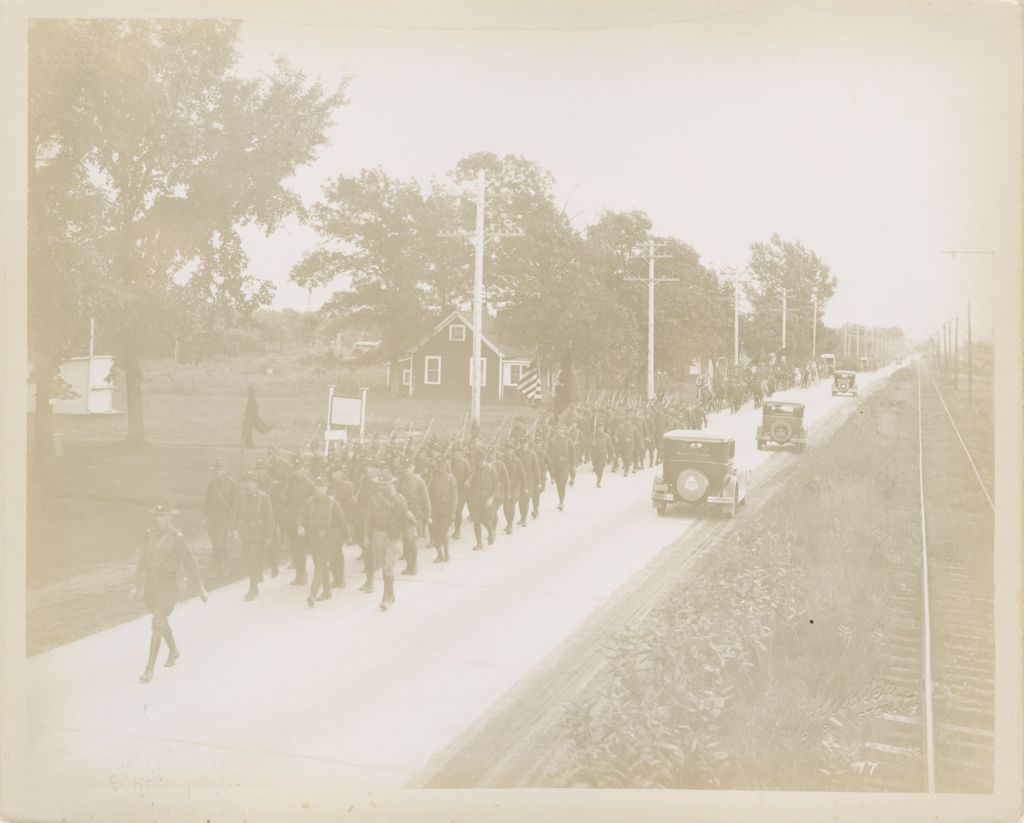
point(167, 151)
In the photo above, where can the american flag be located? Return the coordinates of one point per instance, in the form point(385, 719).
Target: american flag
point(529, 382)
point(744, 360)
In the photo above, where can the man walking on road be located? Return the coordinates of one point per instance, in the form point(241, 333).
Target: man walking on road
point(253, 520)
point(218, 506)
point(164, 555)
point(532, 482)
point(482, 491)
point(562, 457)
point(600, 448)
point(414, 490)
point(443, 497)
point(461, 470)
point(387, 518)
point(298, 488)
point(322, 524)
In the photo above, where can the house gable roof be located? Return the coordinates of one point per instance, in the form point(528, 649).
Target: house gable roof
point(455, 315)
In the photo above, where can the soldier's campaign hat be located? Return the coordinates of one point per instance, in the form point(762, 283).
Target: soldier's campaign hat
point(164, 507)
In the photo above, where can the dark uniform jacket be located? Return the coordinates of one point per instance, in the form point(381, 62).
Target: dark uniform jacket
point(517, 481)
point(322, 519)
point(444, 494)
point(253, 516)
point(531, 468)
point(483, 483)
point(504, 484)
point(562, 455)
point(414, 490)
point(388, 512)
point(158, 570)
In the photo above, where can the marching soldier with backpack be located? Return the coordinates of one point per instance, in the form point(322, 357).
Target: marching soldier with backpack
point(483, 488)
point(321, 522)
point(562, 457)
point(600, 449)
point(253, 520)
point(412, 488)
point(298, 488)
point(387, 518)
point(532, 481)
point(444, 494)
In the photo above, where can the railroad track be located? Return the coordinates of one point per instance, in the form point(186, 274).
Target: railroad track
point(940, 645)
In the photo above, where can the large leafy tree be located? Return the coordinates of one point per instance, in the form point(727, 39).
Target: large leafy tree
point(380, 236)
point(152, 120)
point(780, 265)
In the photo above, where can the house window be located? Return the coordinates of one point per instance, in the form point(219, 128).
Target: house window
point(515, 373)
point(406, 375)
point(483, 371)
point(432, 371)
point(456, 333)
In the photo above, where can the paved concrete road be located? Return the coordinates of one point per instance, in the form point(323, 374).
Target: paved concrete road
point(272, 695)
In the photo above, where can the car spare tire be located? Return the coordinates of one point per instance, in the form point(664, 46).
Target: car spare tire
point(842, 385)
point(781, 432)
point(692, 485)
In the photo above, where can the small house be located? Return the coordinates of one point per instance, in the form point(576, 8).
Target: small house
point(440, 365)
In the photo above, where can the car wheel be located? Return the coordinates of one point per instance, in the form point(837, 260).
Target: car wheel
point(760, 445)
point(730, 508)
point(662, 509)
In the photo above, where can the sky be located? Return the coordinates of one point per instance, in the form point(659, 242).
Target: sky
point(877, 134)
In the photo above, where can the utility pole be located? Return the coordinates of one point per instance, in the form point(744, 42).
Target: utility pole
point(783, 320)
point(651, 256)
point(970, 355)
point(814, 325)
point(956, 353)
point(478, 239)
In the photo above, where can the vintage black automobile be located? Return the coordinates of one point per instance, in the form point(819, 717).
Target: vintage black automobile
point(698, 469)
point(844, 382)
point(782, 423)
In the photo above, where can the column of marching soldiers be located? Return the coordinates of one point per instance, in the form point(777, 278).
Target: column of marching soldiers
point(386, 493)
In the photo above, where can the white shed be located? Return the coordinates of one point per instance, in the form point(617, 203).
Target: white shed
point(90, 380)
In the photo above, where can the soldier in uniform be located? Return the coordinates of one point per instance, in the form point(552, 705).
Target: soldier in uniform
point(562, 457)
point(461, 469)
point(497, 459)
point(253, 520)
point(626, 437)
point(600, 448)
point(388, 516)
point(218, 505)
point(164, 555)
point(444, 494)
point(414, 490)
point(365, 489)
point(516, 487)
point(530, 491)
point(321, 522)
point(297, 489)
point(482, 490)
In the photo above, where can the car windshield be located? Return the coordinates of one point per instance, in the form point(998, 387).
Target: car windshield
point(788, 409)
point(700, 450)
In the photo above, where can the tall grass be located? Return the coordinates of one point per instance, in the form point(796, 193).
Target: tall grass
point(764, 672)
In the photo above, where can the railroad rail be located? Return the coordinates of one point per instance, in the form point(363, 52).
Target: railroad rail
point(941, 641)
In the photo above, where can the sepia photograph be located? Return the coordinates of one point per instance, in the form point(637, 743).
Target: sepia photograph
point(494, 411)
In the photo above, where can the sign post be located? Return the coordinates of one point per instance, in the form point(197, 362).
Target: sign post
point(344, 413)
